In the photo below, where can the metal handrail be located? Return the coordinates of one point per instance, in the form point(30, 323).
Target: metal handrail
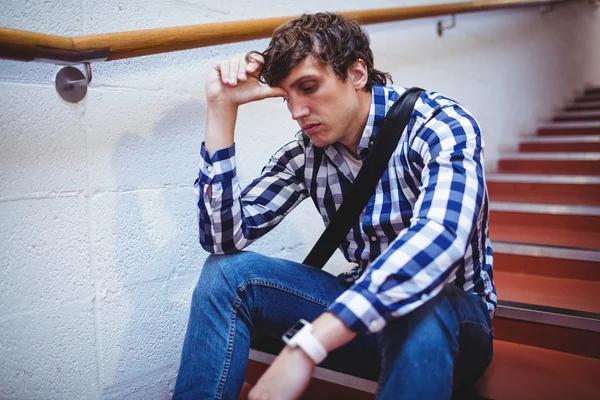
point(31, 46)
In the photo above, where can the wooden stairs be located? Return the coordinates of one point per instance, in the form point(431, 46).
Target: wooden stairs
point(545, 229)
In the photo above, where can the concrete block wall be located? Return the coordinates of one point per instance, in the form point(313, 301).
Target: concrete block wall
point(98, 249)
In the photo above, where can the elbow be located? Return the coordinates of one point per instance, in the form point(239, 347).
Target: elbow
point(219, 249)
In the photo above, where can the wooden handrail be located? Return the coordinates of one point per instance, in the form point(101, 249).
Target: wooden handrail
point(30, 46)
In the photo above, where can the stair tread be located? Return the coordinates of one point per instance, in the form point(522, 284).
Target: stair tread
point(563, 125)
point(520, 371)
point(586, 113)
point(542, 208)
point(540, 178)
point(517, 371)
point(569, 156)
point(585, 106)
point(546, 251)
point(565, 198)
point(546, 291)
point(561, 139)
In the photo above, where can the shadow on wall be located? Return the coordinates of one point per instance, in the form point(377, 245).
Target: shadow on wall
point(157, 258)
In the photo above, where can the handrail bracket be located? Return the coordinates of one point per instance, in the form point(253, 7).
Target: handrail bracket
point(441, 27)
point(71, 83)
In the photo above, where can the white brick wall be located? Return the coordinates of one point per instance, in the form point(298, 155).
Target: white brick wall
point(98, 250)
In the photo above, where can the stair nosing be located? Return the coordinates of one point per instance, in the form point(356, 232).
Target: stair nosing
point(578, 113)
point(562, 125)
point(578, 104)
point(328, 375)
point(563, 253)
point(553, 156)
point(562, 139)
point(538, 178)
point(541, 208)
point(548, 315)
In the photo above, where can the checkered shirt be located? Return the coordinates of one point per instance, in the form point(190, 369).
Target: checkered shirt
point(425, 226)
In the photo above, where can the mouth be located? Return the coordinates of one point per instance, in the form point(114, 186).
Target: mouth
point(310, 129)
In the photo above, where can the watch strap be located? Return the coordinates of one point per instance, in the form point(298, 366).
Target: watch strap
point(310, 345)
point(304, 339)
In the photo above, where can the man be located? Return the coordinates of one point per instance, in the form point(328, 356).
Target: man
point(418, 303)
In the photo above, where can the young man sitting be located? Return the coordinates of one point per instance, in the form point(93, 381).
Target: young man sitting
point(417, 306)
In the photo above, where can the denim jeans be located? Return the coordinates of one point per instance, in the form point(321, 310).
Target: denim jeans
point(442, 346)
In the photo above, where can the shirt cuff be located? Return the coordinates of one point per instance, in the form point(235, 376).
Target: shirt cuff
point(359, 310)
point(218, 168)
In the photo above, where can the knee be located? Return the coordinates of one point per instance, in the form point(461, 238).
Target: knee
point(430, 329)
point(231, 270)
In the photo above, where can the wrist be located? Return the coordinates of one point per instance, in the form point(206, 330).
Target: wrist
point(220, 126)
point(299, 336)
point(221, 105)
point(331, 331)
point(299, 355)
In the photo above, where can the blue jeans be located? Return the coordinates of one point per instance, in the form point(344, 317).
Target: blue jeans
point(442, 346)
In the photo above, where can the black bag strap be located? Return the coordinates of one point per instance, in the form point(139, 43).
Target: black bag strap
point(365, 183)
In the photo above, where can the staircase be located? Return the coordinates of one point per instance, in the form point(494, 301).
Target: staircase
point(545, 229)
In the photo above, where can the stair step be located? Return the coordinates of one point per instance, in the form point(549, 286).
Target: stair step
point(569, 128)
point(588, 98)
point(571, 294)
point(547, 261)
point(583, 106)
point(517, 371)
point(588, 115)
point(521, 372)
point(549, 189)
point(592, 91)
point(543, 224)
point(553, 329)
point(325, 384)
point(557, 144)
point(551, 163)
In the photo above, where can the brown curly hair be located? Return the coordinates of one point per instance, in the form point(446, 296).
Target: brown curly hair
point(329, 37)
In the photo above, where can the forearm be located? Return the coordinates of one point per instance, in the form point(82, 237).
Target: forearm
point(220, 126)
point(331, 332)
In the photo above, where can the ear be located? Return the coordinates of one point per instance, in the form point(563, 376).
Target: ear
point(358, 74)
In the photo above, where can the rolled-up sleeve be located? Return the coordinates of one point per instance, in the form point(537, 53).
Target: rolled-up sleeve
point(230, 219)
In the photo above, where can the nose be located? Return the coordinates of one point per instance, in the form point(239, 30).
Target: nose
point(298, 109)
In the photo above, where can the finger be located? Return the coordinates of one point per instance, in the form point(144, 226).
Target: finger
point(242, 68)
point(252, 66)
point(256, 61)
point(274, 92)
point(256, 57)
point(234, 65)
point(223, 67)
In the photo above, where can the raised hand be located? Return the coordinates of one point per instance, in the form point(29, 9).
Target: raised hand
point(235, 82)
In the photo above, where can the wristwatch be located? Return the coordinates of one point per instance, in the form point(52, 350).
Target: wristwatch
point(300, 335)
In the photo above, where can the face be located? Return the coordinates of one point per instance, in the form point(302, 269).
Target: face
point(327, 109)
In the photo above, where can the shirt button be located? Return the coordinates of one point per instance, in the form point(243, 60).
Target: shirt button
point(209, 169)
point(376, 325)
point(423, 297)
point(371, 142)
point(373, 238)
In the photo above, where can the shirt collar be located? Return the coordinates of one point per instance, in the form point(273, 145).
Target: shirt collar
point(380, 97)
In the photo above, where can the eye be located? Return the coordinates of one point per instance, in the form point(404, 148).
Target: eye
point(309, 89)
point(285, 99)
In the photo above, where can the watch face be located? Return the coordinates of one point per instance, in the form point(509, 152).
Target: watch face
point(294, 329)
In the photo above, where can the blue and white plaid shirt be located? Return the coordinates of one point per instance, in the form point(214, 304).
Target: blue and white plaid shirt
point(426, 225)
